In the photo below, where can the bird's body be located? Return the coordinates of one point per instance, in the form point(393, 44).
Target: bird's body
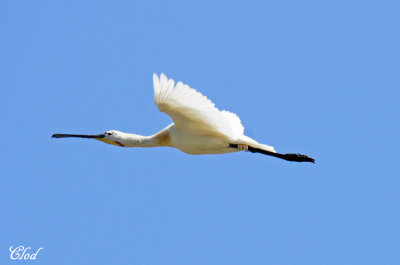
point(197, 144)
point(198, 128)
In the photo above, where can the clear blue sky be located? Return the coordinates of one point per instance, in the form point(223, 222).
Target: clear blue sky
point(316, 77)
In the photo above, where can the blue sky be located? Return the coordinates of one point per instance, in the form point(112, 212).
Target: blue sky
point(315, 77)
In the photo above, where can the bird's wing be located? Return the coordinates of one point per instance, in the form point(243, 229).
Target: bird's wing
point(192, 111)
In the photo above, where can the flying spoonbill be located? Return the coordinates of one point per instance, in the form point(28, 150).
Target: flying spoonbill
point(198, 128)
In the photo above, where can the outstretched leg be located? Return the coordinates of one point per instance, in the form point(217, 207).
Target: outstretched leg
point(288, 157)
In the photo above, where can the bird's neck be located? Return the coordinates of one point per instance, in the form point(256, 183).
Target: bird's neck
point(134, 140)
point(159, 139)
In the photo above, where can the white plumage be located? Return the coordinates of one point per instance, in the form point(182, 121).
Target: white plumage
point(198, 128)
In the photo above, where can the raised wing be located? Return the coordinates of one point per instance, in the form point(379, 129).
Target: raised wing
point(190, 110)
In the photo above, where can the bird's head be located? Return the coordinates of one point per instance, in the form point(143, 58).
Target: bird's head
point(112, 137)
point(109, 137)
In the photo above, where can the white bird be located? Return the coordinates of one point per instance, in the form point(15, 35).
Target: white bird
point(198, 128)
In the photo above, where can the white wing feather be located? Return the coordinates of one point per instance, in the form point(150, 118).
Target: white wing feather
point(192, 111)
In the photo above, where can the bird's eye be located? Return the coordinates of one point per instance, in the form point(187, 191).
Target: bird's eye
point(108, 133)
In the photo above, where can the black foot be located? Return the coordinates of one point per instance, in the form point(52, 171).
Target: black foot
point(298, 158)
